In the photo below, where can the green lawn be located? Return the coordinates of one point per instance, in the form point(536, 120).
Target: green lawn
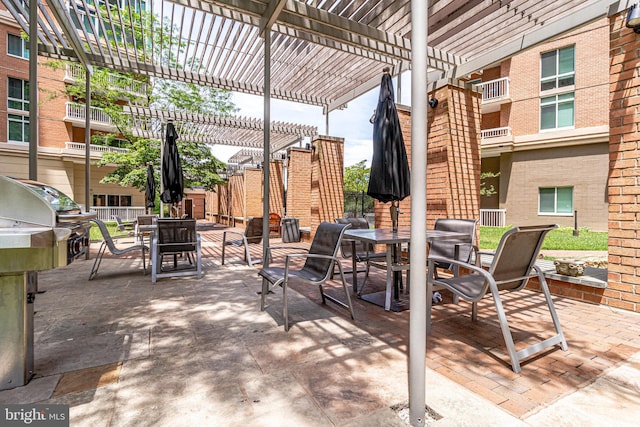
point(558, 239)
point(96, 236)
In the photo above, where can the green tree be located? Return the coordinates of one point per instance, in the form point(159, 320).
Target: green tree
point(356, 177)
point(356, 182)
point(487, 190)
point(199, 165)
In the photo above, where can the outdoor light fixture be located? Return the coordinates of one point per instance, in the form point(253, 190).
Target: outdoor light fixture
point(433, 102)
point(633, 18)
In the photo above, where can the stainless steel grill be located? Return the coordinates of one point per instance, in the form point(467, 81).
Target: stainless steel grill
point(40, 229)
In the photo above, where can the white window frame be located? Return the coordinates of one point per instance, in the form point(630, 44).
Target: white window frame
point(556, 103)
point(24, 51)
point(23, 112)
point(555, 202)
point(558, 76)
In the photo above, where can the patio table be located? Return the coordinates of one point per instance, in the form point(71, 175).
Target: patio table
point(393, 241)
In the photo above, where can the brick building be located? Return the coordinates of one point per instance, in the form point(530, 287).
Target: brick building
point(545, 130)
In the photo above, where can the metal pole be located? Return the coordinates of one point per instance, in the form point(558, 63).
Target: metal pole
point(418, 303)
point(87, 138)
point(267, 145)
point(33, 90)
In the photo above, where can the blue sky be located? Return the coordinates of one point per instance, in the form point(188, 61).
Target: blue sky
point(352, 123)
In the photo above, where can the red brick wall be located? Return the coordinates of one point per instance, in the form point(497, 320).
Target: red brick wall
point(327, 180)
point(624, 150)
point(276, 188)
point(253, 193)
point(453, 159)
point(299, 185)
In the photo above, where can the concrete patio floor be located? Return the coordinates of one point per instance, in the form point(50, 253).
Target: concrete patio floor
point(186, 351)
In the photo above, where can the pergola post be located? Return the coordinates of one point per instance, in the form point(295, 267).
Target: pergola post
point(33, 90)
point(418, 303)
point(267, 145)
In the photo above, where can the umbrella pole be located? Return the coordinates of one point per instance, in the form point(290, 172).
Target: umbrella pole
point(395, 210)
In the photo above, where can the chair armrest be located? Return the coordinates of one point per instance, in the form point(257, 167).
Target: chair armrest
point(290, 256)
point(237, 233)
point(466, 265)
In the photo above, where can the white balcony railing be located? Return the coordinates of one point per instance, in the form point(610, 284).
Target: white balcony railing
point(496, 132)
point(493, 217)
point(79, 146)
point(74, 72)
point(129, 213)
point(76, 111)
point(494, 89)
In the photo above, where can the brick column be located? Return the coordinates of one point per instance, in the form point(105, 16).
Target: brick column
point(276, 187)
point(327, 180)
point(236, 187)
point(299, 185)
point(624, 173)
point(453, 159)
point(253, 183)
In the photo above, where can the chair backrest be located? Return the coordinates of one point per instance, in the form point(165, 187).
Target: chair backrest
point(176, 235)
point(356, 223)
point(118, 222)
point(447, 248)
point(253, 230)
point(325, 242)
point(146, 219)
point(106, 236)
point(274, 219)
point(516, 254)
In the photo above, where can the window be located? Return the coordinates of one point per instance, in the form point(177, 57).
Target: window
point(16, 46)
point(557, 111)
point(557, 68)
point(18, 106)
point(111, 200)
point(555, 201)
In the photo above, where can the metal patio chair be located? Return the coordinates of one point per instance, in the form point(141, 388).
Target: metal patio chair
point(458, 249)
point(107, 243)
point(127, 227)
point(174, 238)
point(365, 252)
point(512, 266)
point(252, 235)
point(318, 268)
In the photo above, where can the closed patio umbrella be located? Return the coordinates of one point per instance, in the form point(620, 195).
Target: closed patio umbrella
point(172, 179)
point(389, 179)
point(150, 190)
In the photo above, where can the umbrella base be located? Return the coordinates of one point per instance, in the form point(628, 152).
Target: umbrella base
point(378, 298)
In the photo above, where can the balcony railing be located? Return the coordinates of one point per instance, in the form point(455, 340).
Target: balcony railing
point(494, 89)
point(496, 132)
point(76, 111)
point(74, 72)
point(79, 146)
point(129, 213)
point(493, 217)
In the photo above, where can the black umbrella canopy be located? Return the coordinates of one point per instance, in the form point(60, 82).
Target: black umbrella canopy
point(172, 180)
point(390, 178)
point(150, 188)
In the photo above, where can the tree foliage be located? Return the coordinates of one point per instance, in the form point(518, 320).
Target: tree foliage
point(487, 189)
point(356, 177)
point(109, 93)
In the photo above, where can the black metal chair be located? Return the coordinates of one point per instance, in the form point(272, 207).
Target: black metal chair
point(512, 266)
point(107, 243)
point(176, 237)
point(252, 235)
point(318, 268)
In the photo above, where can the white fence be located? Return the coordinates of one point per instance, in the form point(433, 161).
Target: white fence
point(496, 132)
point(493, 217)
point(94, 148)
point(495, 89)
point(125, 213)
